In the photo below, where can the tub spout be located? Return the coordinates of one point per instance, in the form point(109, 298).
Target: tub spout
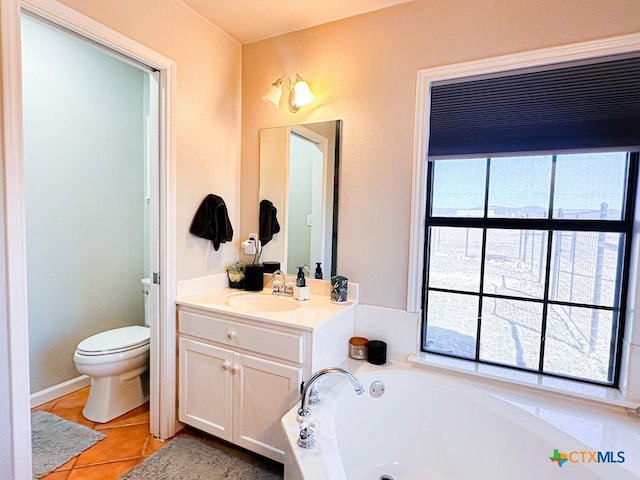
point(308, 386)
point(306, 439)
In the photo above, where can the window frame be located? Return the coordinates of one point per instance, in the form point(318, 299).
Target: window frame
point(629, 382)
point(551, 226)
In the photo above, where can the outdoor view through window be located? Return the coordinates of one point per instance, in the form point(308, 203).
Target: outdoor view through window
point(527, 261)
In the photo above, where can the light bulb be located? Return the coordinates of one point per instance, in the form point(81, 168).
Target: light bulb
point(300, 94)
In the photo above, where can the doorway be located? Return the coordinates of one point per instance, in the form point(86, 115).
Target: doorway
point(308, 224)
point(90, 154)
point(162, 356)
point(306, 208)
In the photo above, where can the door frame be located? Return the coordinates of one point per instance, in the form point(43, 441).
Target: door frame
point(15, 456)
point(163, 339)
point(163, 421)
point(322, 144)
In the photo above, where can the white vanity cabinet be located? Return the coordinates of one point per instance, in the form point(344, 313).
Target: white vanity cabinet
point(237, 379)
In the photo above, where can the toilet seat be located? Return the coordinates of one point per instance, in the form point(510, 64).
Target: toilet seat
point(114, 341)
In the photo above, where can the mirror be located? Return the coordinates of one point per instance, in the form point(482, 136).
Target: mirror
point(299, 195)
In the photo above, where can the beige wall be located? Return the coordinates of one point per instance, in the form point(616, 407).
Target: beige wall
point(207, 112)
point(363, 70)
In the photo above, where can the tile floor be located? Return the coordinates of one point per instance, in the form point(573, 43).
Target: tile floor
point(127, 441)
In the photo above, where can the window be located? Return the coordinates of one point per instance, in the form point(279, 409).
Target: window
point(527, 261)
point(530, 188)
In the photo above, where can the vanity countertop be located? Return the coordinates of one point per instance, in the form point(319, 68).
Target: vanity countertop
point(308, 315)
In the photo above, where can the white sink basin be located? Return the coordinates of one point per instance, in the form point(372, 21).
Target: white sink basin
point(261, 302)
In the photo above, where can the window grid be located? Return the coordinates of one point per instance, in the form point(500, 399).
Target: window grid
point(547, 280)
point(551, 226)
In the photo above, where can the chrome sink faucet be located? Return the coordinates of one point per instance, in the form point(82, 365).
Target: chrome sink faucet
point(281, 287)
point(306, 439)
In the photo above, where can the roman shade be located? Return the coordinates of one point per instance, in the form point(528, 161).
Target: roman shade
point(581, 106)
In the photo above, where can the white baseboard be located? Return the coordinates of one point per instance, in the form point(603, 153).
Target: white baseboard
point(56, 391)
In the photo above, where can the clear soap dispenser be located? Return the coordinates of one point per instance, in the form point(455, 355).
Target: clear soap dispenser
point(301, 291)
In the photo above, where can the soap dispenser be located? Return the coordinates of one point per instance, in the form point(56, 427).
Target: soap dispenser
point(301, 291)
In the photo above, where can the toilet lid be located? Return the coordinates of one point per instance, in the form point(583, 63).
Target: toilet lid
point(115, 341)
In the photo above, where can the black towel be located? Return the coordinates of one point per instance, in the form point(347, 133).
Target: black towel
point(211, 221)
point(269, 225)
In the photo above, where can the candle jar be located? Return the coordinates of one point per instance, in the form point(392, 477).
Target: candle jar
point(358, 348)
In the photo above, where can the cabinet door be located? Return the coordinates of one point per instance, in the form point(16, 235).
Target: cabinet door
point(264, 392)
point(206, 388)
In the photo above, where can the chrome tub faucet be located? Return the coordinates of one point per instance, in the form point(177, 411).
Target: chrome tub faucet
point(306, 439)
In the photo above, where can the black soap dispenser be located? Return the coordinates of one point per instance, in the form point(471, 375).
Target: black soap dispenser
point(301, 291)
point(318, 273)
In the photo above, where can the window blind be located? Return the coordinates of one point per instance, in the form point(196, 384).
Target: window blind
point(565, 107)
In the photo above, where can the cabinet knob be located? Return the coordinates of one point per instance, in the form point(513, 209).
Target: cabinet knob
point(235, 369)
point(226, 366)
point(231, 335)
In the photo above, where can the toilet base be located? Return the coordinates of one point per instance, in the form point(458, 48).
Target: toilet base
point(110, 397)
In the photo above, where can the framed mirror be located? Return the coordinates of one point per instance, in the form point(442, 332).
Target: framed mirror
point(299, 167)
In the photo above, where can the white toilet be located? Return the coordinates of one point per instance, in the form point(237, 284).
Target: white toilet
point(115, 360)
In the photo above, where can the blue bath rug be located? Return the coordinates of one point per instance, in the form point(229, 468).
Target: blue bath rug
point(55, 441)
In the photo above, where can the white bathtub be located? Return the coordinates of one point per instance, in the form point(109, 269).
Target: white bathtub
point(427, 426)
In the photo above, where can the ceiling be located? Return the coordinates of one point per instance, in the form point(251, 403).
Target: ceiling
point(251, 20)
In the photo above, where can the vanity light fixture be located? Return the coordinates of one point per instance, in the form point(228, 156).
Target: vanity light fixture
point(299, 93)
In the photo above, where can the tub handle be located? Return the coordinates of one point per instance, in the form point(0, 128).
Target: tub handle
point(306, 421)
